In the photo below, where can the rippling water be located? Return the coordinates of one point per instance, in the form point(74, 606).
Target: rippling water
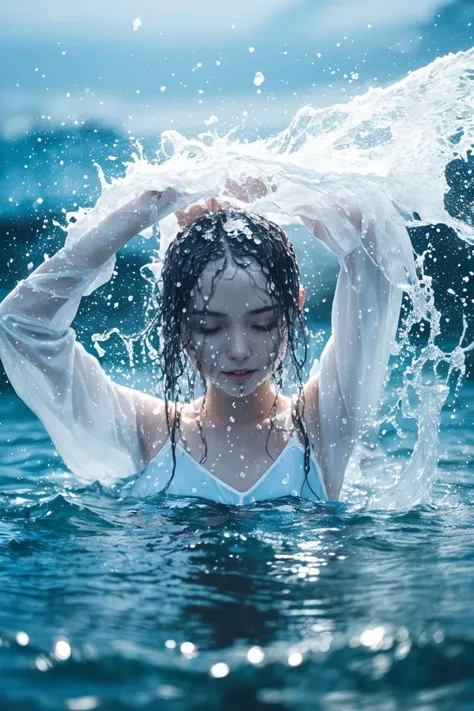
point(183, 604)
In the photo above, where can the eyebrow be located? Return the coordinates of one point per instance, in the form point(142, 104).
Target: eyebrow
point(254, 312)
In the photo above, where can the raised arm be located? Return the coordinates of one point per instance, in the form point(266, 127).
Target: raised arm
point(376, 262)
point(94, 423)
point(356, 220)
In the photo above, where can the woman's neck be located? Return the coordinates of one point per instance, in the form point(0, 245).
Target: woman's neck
point(221, 408)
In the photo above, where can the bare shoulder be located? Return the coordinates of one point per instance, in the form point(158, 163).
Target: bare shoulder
point(152, 423)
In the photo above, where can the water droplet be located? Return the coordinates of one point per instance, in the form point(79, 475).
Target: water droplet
point(62, 649)
point(43, 663)
point(219, 670)
point(187, 648)
point(83, 703)
point(255, 655)
point(22, 639)
point(372, 637)
point(295, 659)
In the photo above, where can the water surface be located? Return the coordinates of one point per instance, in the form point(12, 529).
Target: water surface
point(115, 605)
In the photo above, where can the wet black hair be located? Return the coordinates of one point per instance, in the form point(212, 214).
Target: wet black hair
point(228, 236)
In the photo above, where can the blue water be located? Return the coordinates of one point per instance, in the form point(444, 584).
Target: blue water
point(352, 608)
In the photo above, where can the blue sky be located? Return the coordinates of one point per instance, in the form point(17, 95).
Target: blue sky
point(192, 65)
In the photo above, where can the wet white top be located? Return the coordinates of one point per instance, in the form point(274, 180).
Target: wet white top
point(93, 421)
point(285, 477)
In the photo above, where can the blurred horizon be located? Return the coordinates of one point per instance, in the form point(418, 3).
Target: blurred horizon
point(197, 67)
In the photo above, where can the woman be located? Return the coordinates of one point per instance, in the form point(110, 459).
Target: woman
point(231, 313)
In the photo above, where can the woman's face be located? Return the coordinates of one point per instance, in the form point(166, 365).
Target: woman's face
point(236, 338)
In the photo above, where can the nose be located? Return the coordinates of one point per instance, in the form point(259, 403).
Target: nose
point(237, 346)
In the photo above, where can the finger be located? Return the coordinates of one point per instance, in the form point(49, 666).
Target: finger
point(214, 205)
point(236, 190)
point(188, 215)
point(256, 187)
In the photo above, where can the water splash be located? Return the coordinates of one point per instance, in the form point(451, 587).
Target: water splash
point(387, 151)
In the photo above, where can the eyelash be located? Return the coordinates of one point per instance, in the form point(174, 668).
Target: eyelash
point(211, 331)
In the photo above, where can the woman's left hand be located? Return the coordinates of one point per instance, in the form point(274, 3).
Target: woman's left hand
point(246, 190)
point(191, 213)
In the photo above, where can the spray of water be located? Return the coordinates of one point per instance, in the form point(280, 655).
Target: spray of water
point(386, 152)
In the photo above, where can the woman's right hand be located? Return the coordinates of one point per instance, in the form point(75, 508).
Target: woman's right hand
point(191, 213)
point(246, 191)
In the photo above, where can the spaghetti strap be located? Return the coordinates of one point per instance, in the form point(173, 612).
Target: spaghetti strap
point(181, 435)
point(178, 414)
point(295, 412)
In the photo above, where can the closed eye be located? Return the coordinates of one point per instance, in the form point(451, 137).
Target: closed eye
point(216, 329)
point(267, 327)
point(207, 330)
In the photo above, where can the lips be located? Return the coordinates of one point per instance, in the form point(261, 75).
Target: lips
point(238, 376)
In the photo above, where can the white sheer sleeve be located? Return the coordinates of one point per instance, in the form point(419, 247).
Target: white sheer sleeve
point(363, 228)
point(353, 366)
point(91, 420)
